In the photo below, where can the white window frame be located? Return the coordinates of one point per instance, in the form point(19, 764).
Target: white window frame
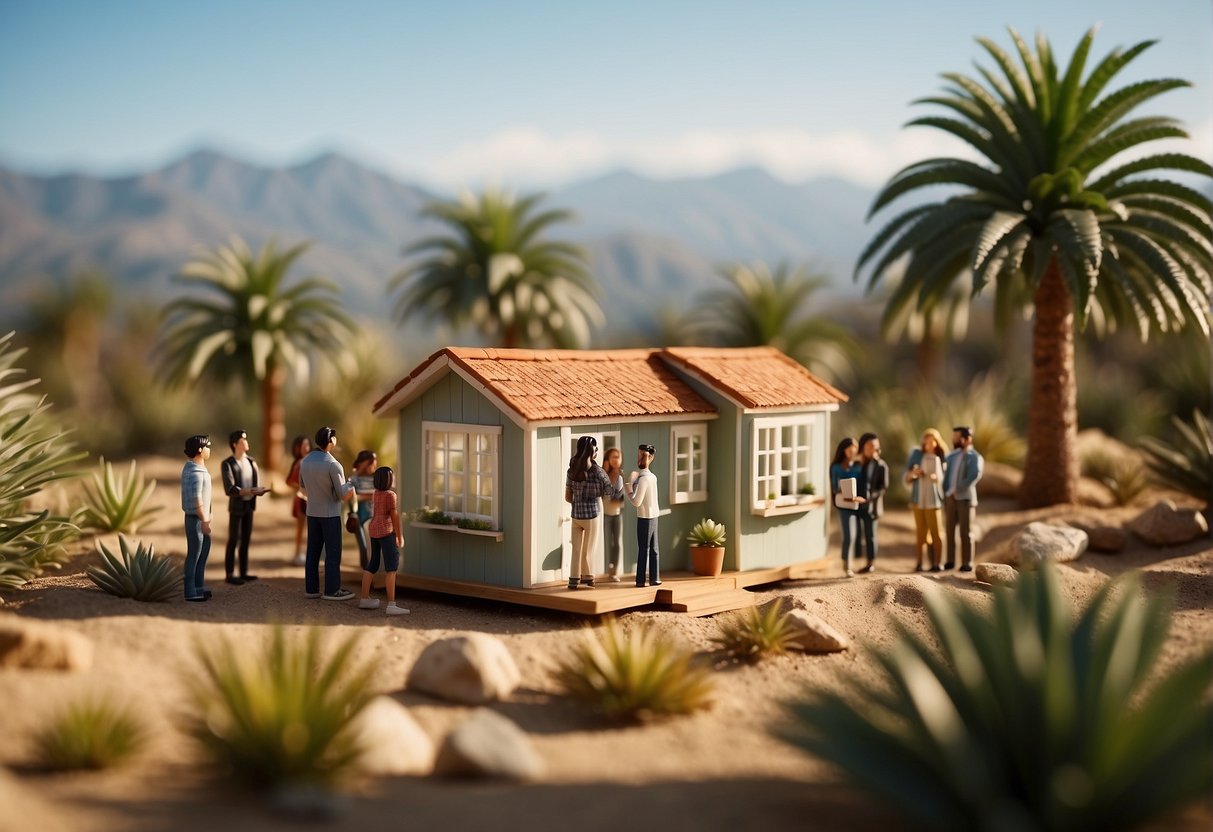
point(688, 431)
point(771, 481)
point(471, 473)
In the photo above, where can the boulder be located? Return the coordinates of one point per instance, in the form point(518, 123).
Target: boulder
point(36, 645)
point(393, 741)
point(1164, 524)
point(470, 669)
point(998, 480)
point(488, 745)
point(1038, 542)
point(1104, 538)
point(813, 635)
point(995, 574)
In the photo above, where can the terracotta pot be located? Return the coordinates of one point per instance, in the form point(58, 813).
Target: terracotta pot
point(707, 560)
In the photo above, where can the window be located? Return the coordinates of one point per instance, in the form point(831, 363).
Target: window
point(689, 475)
point(781, 457)
point(461, 465)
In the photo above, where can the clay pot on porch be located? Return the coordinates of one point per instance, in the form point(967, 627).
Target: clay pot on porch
point(707, 560)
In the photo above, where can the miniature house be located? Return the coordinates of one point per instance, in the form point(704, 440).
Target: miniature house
point(485, 436)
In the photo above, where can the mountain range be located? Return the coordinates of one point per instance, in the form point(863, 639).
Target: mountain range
point(652, 243)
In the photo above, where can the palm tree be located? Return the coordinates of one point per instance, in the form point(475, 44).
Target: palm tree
point(1058, 219)
point(256, 331)
point(493, 270)
point(765, 307)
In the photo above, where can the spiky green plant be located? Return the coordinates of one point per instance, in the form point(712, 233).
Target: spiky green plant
point(756, 633)
point(114, 503)
point(139, 574)
point(1123, 475)
point(89, 735)
point(1186, 463)
point(281, 715)
point(635, 675)
point(1025, 719)
point(707, 533)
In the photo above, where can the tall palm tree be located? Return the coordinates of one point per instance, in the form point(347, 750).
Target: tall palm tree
point(765, 307)
point(1058, 219)
point(251, 328)
point(493, 269)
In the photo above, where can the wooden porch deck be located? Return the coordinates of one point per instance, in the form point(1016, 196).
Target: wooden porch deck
point(679, 591)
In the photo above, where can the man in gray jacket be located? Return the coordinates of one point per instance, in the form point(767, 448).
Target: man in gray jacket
point(324, 480)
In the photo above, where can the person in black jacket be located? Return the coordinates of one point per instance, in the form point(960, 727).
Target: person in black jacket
point(240, 483)
point(872, 483)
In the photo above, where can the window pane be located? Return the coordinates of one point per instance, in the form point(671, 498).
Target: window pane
point(456, 441)
point(437, 439)
point(485, 507)
point(455, 461)
point(682, 482)
point(455, 483)
point(455, 503)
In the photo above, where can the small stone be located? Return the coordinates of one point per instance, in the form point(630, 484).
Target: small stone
point(488, 745)
point(995, 574)
point(33, 645)
point(1164, 524)
point(394, 744)
point(1037, 542)
point(470, 669)
point(1104, 538)
point(813, 635)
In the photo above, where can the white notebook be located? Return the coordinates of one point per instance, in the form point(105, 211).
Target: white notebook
point(846, 493)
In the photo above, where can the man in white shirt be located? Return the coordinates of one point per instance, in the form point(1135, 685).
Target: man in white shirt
point(642, 491)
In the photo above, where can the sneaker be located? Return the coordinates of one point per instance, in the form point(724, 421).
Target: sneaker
point(368, 603)
point(850, 574)
point(950, 565)
point(311, 595)
point(234, 581)
point(206, 593)
point(247, 578)
point(921, 568)
point(937, 568)
point(339, 595)
point(588, 582)
point(612, 579)
point(572, 583)
point(867, 569)
point(300, 559)
point(392, 609)
point(654, 583)
point(968, 567)
point(195, 597)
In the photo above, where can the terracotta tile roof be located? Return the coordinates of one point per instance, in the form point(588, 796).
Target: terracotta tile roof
point(573, 384)
point(756, 376)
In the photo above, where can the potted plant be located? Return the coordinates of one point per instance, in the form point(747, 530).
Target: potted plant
point(706, 541)
point(807, 491)
point(772, 500)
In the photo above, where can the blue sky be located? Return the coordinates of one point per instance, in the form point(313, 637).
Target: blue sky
point(532, 93)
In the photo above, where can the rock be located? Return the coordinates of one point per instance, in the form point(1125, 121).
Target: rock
point(813, 635)
point(395, 744)
point(789, 603)
point(998, 480)
point(35, 645)
point(1163, 524)
point(995, 574)
point(1103, 538)
point(1038, 542)
point(470, 669)
point(488, 745)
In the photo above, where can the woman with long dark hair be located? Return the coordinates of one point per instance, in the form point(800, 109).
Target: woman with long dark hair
point(842, 467)
point(584, 483)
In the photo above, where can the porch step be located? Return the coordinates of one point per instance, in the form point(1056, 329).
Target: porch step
point(710, 603)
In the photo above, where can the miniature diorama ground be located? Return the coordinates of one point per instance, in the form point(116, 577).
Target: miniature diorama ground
point(719, 769)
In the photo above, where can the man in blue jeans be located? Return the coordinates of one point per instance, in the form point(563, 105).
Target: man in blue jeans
point(324, 481)
point(872, 484)
point(196, 503)
point(642, 491)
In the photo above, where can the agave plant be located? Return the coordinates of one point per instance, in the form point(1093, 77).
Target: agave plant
point(1025, 720)
point(118, 504)
point(756, 633)
point(139, 574)
point(1186, 463)
point(281, 716)
point(89, 735)
point(634, 675)
point(707, 533)
point(1123, 475)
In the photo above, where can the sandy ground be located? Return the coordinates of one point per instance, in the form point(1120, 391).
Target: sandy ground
point(721, 769)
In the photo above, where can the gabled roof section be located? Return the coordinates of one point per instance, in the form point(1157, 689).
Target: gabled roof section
point(755, 377)
point(541, 385)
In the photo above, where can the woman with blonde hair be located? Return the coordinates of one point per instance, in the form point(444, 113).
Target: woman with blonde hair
point(925, 475)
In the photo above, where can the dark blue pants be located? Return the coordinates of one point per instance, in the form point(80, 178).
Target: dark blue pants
point(197, 549)
point(239, 533)
point(323, 533)
point(867, 535)
point(647, 555)
point(847, 518)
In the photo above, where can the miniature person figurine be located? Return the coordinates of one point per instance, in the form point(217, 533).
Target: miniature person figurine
point(300, 448)
point(327, 489)
point(387, 539)
point(612, 517)
point(925, 471)
point(196, 503)
point(240, 483)
point(960, 495)
point(845, 467)
point(642, 491)
point(873, 482)
point(363, 479)
point(584, 483)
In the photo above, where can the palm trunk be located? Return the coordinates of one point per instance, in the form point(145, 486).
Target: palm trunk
point(1051, 472)
point(928, 360)
point(272, 422)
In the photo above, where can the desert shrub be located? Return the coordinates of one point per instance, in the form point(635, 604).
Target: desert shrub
point(634, 675)
point(1187, 462)
point(114, 503)
point(34, 452)
point(1024, 719)
point(89, 735)
point(756, 633)
point(1123, 475)
point(281, 715)
point(139, 574)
